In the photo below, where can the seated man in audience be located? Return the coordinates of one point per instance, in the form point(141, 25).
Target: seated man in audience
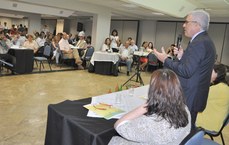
point(4, 50)
point(126, 55)
point(81, 43)
point(133, 46)
point(68, 52)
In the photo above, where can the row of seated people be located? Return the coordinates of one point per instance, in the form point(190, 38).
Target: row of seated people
point(127, 50)
point(59, 44)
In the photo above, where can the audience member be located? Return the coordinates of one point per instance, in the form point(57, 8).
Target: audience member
point(41, 39)
point(169, 51)
point(68, 52)
point(5, 28)
point(143, 59)
point(4, 50)
point(1, 27)
point(15, 40)
point(31, 44)
point(150, 47)
point(133, 46)
point(70, 39)
point(56, 48)
point(22, 38)
point(45, 29)
point(21, 28)
point(114, 39)
point(106, 46)
point(218, 101)
point(13, 30)
point(88, 41)
point(194, 66)
point(163, 119)
point(81, 43)
point(129, 39)
point(126, 55)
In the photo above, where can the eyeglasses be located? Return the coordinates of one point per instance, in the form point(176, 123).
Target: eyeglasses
point(186, 22)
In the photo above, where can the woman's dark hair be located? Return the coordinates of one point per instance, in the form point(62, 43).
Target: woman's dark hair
point(152, 45)
point(114, 31)
point(105, 42)
point(143, 43)
point(221, 71)
point(166, 98)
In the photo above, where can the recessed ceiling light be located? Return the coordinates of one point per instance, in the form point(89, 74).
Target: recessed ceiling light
point(157, 13)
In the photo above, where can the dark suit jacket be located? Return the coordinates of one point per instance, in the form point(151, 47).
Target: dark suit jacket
point(194, 70)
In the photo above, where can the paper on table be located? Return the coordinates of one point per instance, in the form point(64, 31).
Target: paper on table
point(127, 103)
point(104, 110)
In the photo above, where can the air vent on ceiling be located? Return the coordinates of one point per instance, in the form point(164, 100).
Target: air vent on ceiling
point(14, 5)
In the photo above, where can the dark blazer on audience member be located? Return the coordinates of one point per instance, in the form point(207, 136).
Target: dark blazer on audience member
point(194, 70)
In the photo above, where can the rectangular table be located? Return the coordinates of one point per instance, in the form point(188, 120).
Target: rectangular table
point(24, 60)
point(68, 123)
point(104, 63)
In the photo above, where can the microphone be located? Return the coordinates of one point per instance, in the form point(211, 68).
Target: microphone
point(179, 39)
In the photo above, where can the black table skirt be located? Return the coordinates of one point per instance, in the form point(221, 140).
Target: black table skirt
point(68, 124)
point(24, 60)
point(104, 68)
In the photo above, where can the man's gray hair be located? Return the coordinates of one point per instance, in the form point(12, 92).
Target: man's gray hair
point(201, 17)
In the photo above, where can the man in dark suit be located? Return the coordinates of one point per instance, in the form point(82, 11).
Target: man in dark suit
point(194, 65)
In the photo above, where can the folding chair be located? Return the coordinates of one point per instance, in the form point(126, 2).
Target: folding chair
point(197, 138)
point(88, 55)
point(152, 61)
point(46, 57)
point(215, 134)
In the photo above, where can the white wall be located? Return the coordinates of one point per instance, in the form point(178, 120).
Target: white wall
point(147, 32)
point(73, 26)
point(225, 51)
point(216, 32)
point(165, 34)
point(100, 29)
point(34, 23)
point(125, 28)
point(88, 28)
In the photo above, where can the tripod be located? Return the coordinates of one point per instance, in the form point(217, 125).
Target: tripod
point(137, 73)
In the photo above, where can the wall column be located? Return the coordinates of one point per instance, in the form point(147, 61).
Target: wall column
point(59, 26)
point(34, 23)
point(100, 29)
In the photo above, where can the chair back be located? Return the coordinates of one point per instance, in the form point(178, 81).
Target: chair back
point(47, 51)
point(194, 138)
point(152, 59)
point(89, 53)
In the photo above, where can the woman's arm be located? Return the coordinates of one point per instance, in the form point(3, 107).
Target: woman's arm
point(139, 111)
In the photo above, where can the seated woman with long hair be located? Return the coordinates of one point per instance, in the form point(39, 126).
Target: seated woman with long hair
point(163, 119)
point(217, 107)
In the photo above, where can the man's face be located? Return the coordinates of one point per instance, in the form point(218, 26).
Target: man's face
point(127, 43)
point(191, 27)
point(64, 36)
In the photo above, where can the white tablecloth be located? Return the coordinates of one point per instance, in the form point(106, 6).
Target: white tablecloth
point(104, 56)
point(126, 102)
point(141, 53)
